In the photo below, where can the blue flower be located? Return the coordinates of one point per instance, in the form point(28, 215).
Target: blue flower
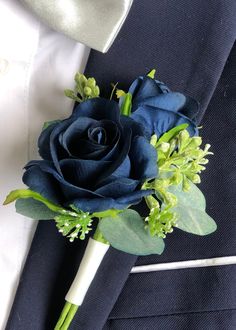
point(159, 110)
point(95, 159)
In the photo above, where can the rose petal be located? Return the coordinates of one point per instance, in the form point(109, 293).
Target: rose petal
point(74, 131)
point(125, 143)
point(131, 124)
point(169, 102)
point(43, 183)
point(159, 121)
point(123, 171)
point(145, 87)
point(56, 150)
point(191, 109)
point(145, 162)
point(83, 173)
point(102, 204)
point(44, 142)
point(118, 188)
point(98, 108)
point(69, 190)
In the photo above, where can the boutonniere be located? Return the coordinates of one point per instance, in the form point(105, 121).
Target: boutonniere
point(106, 158)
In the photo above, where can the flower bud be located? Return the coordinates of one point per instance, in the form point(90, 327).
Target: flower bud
point(153, 140)
point(96, 91)
point(183, 139)
point(87, 91)
point(91, 82)
point(195, 142)
point(81, 79)
point(164, 147)
point(69, 93)
point(186, 184)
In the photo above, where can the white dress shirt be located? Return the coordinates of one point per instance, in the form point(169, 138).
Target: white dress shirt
point(36, 65)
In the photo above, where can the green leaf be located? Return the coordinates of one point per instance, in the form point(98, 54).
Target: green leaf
point(108, 213)
point(192, 198)
point(172, 133)
point(27, 193)
point(49, 123)
point(126, 104)
point(195, 221)
point(34, 209)
point(191, 206)
point(151, 74)
point(127, 233)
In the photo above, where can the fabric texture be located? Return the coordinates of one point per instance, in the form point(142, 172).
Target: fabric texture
point(188, 43)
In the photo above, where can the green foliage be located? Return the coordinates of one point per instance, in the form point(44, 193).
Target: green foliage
point(161, 221)
point(182, 158)
point(27, 193)
point(192, 198)
point(180, 163)
point(191, 206)
point(85, 88)
point(127, 233)
point(74, 226)
point(166, 137)
point(48, 123)
point(151, 74)
point(108, 213)
point(194, 221)
point(119, 93)
point(71, 222)
point(126, 104)
point(34, 209)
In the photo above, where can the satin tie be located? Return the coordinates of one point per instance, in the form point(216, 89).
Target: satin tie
point(91, 22)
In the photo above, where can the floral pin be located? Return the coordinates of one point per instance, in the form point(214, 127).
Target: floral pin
point(106, 158)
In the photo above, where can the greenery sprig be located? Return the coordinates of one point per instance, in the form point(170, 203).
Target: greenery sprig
point(71, 222)
point(180, 161)
point(85, 88)
point(74, 226)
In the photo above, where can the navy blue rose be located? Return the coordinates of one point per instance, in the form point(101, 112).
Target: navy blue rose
point(159, 110)
point(96, 159)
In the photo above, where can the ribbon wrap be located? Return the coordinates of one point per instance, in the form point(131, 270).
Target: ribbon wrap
point(94, 253)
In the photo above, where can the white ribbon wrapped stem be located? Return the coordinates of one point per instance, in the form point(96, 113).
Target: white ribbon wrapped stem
point(94, 253)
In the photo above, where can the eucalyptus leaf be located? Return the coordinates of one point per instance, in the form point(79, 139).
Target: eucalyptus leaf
point(126, 232)
point(27, 193)
point(195, 221)
point(190, 208)
point(192, 198)
point(34, 209)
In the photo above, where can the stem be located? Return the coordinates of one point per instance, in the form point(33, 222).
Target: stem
point(70, 309)
point(69, 317)
point(66, 316)
point(63, 315)
point(98, 236)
